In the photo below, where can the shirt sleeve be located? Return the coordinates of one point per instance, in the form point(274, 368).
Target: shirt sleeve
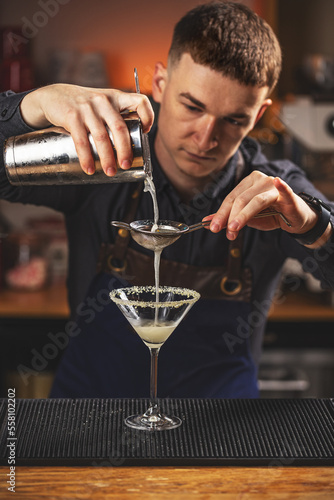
point(60, 198)
point(319, 261)
point(11, 121)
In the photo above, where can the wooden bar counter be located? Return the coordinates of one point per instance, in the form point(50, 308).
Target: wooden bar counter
point(50, 302)
point(177, 483)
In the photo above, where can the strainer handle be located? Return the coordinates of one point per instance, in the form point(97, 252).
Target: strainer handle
point(199, 225)
point(123, 225)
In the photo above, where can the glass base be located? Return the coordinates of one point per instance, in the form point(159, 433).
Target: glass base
point(155, 422)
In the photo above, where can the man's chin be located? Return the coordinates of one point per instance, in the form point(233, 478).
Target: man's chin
point(196, 170)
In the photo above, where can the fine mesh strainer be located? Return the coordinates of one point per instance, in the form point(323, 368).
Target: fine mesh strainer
point(166, 233)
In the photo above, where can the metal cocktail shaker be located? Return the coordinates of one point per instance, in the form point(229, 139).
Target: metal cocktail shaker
point(49, 157)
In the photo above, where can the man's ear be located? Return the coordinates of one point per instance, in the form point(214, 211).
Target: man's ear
point(265, 105)
point(159, 81)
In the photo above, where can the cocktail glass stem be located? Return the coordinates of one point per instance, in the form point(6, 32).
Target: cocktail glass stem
point(153, 412)
point(154, 374)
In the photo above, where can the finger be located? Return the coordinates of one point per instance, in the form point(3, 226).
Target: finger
point(139, 103)
point(254, 214)
point(299, 214)
point(104, 148)
point(222, 216)
point(100, 115)
point(237, 209)
point(83, 148)
point(146, 114)
point(95, 124)
point(142, 106)
point(286, 194)
point(82, 120)
point(277, 195)
point(208, 218)
point(121, 139)
point(256, 195)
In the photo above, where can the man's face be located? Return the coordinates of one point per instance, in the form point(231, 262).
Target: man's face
point(203, 117)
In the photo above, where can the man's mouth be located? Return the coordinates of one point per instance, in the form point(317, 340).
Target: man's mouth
point(199, 157)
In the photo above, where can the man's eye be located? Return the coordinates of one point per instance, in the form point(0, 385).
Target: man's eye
point(234, 122)
point(193, 109)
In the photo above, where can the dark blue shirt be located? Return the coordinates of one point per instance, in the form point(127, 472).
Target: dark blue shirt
point(89, 209)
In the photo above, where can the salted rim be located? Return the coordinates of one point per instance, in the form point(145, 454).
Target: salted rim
point(192, 295)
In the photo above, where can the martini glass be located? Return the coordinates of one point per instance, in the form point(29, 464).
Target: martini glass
point(154, 315)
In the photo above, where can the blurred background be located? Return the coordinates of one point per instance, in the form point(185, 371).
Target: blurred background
point(130, 33)
point(98, 43)
point(61, 36)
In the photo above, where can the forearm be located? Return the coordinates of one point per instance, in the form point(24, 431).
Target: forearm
point(31, 109)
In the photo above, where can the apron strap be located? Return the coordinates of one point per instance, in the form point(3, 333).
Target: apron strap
point(231, 283)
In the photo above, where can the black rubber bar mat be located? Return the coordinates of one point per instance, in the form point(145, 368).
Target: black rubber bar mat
point(274, 432)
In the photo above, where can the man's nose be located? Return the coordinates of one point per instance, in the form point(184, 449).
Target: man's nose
point(206, 135)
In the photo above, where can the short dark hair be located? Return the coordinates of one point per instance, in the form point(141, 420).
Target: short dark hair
point(232, 39)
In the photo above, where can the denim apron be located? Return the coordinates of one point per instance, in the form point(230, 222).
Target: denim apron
point(106, 358)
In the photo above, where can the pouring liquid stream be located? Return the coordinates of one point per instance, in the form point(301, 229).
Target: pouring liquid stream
point(150, 187)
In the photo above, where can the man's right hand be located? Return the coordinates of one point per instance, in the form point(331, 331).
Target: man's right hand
point(82, 110)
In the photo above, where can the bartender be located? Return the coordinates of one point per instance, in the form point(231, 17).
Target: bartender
point(223, 64)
